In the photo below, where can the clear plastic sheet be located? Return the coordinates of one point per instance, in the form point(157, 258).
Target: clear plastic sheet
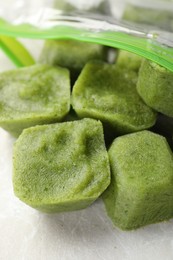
point(34, 19)
point(156, 13)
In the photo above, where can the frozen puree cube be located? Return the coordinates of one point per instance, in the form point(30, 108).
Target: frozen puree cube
point(61, 167)
point(129, 60)
point(33, 95)
point(141, 191)
point(155, 86)
point(71, 54)
point(108, 93)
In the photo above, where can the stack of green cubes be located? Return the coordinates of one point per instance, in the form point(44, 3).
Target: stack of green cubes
point(62, 159)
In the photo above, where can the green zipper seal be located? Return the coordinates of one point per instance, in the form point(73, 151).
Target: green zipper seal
point(145, 45)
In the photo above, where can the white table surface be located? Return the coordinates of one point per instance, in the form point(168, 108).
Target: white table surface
point(26, 234)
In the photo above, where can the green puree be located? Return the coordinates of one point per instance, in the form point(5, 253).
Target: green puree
point(129, 60)
point(155, 86)
point(141, 191)
point(34, 95)
point(71, 54)
point(108, 93)
point(61, 167)
point(74, 54)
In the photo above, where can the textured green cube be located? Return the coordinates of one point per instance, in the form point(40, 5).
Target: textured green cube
point(141, 190)
point(108, 93)
point(129, 60)
point(61, 167)
point(71, 54)
point(155, 86)
point(33, 95)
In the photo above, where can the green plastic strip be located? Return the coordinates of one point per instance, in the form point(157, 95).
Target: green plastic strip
point(16, 51)
point(147, 46)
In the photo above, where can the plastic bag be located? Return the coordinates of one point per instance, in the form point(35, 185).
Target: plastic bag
point(97, 6)
point(38, 21)
point(158, 14)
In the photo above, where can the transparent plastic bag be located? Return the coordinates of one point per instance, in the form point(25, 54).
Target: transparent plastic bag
point(38, 21)
point(158, 14)
point(97, 6)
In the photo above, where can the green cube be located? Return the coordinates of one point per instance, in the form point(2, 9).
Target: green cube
point(141, 191)
point(32, 96)
point(71, 54)
point(61, 167)
point(108, 93)
point(155, 86)
point(129, 60)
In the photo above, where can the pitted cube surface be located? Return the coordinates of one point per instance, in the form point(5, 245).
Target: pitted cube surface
point(61, 167)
